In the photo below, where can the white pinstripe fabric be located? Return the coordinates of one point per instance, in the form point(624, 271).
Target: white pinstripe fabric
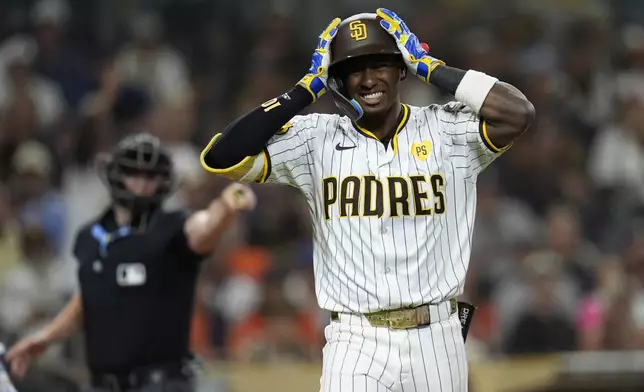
point(362, 358)
point(365, 264)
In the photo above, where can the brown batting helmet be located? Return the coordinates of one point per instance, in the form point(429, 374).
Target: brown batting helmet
point(361, 35)
point(358, 35)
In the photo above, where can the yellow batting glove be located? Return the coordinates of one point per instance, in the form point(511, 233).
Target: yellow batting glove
point(315, 81)
point(416, 57)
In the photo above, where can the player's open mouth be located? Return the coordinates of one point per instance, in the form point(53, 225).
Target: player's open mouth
point(372, 99)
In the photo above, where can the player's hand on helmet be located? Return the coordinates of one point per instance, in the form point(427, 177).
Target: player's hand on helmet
point(27, 349)
point(315, 81)
point(239, 197)
point(415, 55)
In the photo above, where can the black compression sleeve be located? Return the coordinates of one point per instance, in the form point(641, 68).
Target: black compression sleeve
point(447, 78)
point(249, 134)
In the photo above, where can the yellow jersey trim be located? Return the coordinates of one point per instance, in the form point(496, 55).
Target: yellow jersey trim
point(401, 124)
point(486, 138)
point(238, 170)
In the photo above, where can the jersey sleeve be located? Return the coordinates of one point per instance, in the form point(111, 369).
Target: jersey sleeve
point(465, 133)
point(286, 159)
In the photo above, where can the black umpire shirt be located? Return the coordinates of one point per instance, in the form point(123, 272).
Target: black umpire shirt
point(137, 292)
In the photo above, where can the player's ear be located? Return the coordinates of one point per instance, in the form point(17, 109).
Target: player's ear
point(403, 73)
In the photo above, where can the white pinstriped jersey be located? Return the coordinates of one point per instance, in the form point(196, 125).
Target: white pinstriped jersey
point(392, 225)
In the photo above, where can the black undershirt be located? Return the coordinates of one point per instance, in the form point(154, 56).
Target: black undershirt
point(249, 134)
point(447, 78)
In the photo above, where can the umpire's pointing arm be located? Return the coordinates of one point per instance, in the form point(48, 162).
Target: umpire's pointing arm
point(205, 227)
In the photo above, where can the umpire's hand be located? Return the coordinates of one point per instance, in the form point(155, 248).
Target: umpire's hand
point(21, 355)
point(239, 197)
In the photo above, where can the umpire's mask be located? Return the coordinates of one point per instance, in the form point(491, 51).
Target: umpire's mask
point(138, 156)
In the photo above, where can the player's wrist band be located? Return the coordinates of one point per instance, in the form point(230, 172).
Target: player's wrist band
point(470, 87)
point(474, 88)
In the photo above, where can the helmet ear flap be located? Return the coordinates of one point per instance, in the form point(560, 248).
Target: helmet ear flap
point(350, 107)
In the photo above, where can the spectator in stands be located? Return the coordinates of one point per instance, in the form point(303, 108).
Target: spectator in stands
point(564, 237)
point(632, 36)
point(58, 59)
point(19, 82)
point(526, 287)
point(543, 325)
point(587, 75)
point(617, 157)
point(593, 313)
point(502, 224)
point(10, 251)
point(238, 294)
point(277, 331)
point(148, 61)
point(280, 208)
point(152, 64)
point(34, 290)
point(37, 201)
point(530, 169)
point(624, 328)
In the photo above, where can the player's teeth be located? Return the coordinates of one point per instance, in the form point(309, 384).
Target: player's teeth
point(373, 95)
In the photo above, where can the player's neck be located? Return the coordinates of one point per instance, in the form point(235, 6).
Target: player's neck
point(382, 125)
point(122, 216)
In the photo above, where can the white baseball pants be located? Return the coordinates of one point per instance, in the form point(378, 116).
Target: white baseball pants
point(360, 358)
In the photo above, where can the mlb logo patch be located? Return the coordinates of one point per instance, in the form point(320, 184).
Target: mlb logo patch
point(131, 274)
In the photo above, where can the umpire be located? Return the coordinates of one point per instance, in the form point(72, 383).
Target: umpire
point(138, 267)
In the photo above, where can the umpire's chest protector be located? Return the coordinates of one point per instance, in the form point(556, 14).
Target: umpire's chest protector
point(115, 267)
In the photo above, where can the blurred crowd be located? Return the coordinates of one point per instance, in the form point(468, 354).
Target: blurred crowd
point(558, 253)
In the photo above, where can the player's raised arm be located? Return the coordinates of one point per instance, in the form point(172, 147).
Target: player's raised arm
point(506, 112)
point(237, 151)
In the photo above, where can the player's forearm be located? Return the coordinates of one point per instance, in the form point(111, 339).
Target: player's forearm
point(506, 111)
point(249, 134)
point(67, 322)
point(205, 228)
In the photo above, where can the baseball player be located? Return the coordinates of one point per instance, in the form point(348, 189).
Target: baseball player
point(392, 196)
